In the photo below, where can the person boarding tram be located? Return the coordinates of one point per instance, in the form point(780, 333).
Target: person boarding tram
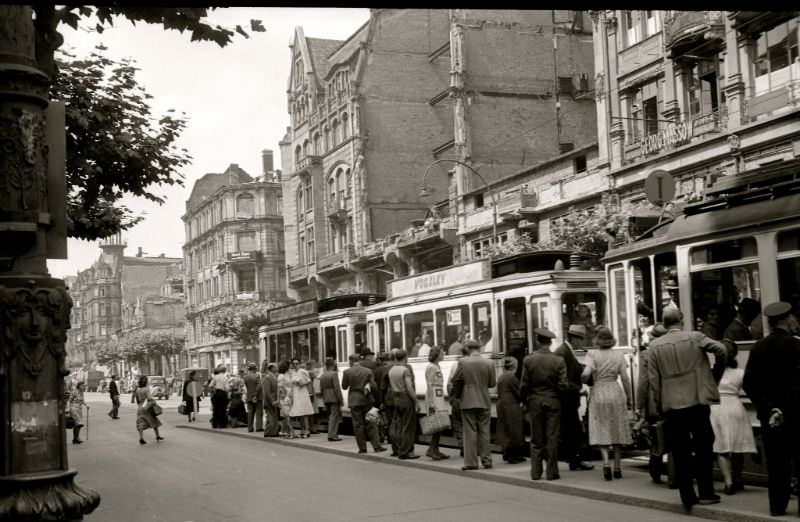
point(571, 431)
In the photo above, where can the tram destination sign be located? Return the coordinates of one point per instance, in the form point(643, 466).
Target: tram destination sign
point(292, 311)
point(456, 275)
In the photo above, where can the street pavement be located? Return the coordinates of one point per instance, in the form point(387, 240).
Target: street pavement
point(203, 475)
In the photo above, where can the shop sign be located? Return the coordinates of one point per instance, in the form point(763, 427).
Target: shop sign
point(292, 311)
point(457, 275)
point(673, 135)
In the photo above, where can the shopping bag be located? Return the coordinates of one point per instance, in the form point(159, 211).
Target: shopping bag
point(373, 416)
point(435, 422)
point(182, 408)
point(156, 409)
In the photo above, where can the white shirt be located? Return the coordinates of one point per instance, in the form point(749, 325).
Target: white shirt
point(220, 382)
point(424, 350)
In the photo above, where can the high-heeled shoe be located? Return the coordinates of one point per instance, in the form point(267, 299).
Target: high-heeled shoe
point(617, 473)
point(607, 472)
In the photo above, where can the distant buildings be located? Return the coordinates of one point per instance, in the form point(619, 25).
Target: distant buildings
point(234, 254)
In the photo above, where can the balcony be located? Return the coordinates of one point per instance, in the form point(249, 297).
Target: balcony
point(433, 233)
point(297, 274)
point(242, 257)
point(640, 54)
point(337, 208)
point(713, 121)
point(332, 264)
point(306, 164)
point(786, 96)
point(687, 30)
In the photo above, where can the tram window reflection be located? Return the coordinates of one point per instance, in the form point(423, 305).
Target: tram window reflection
point(728, 299)
point(396, 332)
point(450, 323)
point(582, 308)
point(418, 325)
point(329, 334)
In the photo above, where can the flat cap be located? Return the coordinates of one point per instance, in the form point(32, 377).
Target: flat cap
point(472, 345)
point(544, 332)
point(777, 309)
point(658, 330)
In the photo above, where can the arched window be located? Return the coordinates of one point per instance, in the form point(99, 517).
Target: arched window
point(309, 195)
point(335, 132)
point(345, 126)
point(340, 187)
point(298, 152)
point(306, 148)
point(317, 144)
point(348, 181)
point(327, 139)
point(331, 190)
point(244, 205)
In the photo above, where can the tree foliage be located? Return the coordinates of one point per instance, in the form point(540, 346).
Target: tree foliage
point(139, 345)
point(240, 322)
point(116, 146)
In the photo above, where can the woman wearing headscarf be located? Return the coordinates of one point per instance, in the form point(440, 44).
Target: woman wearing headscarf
point(145, 419)
point(509, 414)
point(434, 397)
point(608, 403)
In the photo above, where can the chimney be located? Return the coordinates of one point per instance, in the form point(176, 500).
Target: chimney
point(140, 253)
point(266, 161)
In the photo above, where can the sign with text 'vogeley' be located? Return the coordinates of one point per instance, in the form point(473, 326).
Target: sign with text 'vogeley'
point(292, 311)
point(439, 279)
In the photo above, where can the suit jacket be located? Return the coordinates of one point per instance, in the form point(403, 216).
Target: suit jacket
point(772, 375)
point(354, 379)
point(478, 376)
point(113, 390)
point(678, 372)
point(269, 388)
point(252, 383)
point(644, 400)
point(329, 385)
point(543, 374)
point(574, 370)
point(368, 363)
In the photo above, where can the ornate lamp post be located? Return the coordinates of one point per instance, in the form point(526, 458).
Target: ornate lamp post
point(35, 480)
point(424, 192)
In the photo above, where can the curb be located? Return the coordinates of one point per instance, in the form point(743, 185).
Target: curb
point(542, 485)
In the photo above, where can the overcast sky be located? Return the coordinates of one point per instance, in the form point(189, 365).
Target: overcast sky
point(234, 97)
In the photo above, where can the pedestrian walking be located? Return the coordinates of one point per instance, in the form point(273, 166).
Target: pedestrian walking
point(188, 399)
point(434, 398)
point(404, 396)
point(76, 404)
point(571, 429)
point(733, 434)
point(301, 400)
point(473, 378)
point(772, 381)
point(285, 399)
point(544, 379)
point(509, 414)
point(682, 387)
point(219, 399)
point(359, 381)
point(253, 399)
point(113, 392)
point(608, 403)
point(332, 396)
point(145, 418)
point(270, 400)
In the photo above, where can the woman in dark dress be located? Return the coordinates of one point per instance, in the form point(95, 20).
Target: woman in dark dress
point(509, 414)
point(189, 400)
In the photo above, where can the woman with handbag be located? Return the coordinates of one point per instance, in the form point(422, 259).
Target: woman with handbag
point(76, 403)
point(145, 416)
point(509, 414)
point(434, 398)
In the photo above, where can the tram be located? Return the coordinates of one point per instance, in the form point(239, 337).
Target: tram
point(495, 302)
point(742, 241)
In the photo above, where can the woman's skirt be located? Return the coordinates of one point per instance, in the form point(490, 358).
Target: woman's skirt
point(76, 412)
point(733, 432)
point(301, 405)
point(608, 415)
point(146, 420)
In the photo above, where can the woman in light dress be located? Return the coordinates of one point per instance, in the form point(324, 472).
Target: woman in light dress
point(733, 433)
point(434, 397)
point(608, 403)
point(301, 400)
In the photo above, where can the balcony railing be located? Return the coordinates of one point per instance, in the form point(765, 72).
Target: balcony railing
point(713, 121)
point(307, 162)
point(786, 95)
point(330, 260)
point(337, 207)
point(297, 272)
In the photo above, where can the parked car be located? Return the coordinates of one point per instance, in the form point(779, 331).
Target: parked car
point(158, 386)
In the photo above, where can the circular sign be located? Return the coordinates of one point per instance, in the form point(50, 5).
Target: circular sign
point(194, 389)
point(659, 187)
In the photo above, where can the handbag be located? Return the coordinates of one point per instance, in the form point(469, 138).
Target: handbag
point(435, 422)
point(660, 443)
point(182, 408)
point(373, 416)
point(156, 409)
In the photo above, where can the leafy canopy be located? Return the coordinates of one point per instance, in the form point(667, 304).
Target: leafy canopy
point(240, 322)
point(139, 345)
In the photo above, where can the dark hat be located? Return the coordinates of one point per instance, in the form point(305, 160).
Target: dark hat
point(367, 351)
point(777, 309)
point(658, 330)
point(472, 345)
point(578, 329)
point(604, 338)
point(747, 304)
point(544, 332)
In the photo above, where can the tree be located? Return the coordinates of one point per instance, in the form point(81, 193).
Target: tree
point(240, 322)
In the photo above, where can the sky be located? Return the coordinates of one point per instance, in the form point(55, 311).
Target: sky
point(234, 97)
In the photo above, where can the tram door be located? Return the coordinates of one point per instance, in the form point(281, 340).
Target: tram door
point(515, 329)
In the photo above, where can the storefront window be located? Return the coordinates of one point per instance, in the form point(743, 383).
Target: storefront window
point(451, 323)
point(418, 325)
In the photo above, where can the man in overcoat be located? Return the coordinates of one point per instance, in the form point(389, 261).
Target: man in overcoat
point(571, 432)
point(474, 376)
point(332, 397)
point(772, 381)
point(356, 379)
point(253, 399)
point(269, 401)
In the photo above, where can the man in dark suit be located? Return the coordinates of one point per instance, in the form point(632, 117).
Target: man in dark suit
point(474, 376)
point(358, 380)
point(681, 388)
point(772, 381)
point(113, 391)
point(253, 399)
point(571, 431)
point(544, 379)
point(332, 397)
point(368, 359)
point(269, 387)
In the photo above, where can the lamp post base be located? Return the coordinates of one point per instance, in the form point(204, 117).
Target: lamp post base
point(46, 496)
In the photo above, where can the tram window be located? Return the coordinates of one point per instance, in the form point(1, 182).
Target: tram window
point(418, 324)
point(724, 251)
point(380, 331)
point(301, 345)
point(360, 336)
point(341, 343)
point(273, 349)
point(396, 332)
point(329, 332)
point(582, 308)
point(789, 285)
point(715, 295)
point(620, 308)
point(284, 346)
point(481, 318)
point(516, 331)
point(450, 324)
point(666, 283)
point(789, 241)
point(313, 343)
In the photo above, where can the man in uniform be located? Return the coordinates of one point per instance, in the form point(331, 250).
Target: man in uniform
point(255, 410)
point(571, 431)
point(358, 380)
point(772, 381)
point(368, 359)
point(544, 379)
point(681, 387)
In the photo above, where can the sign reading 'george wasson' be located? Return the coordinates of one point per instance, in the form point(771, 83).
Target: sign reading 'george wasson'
point(673, 135)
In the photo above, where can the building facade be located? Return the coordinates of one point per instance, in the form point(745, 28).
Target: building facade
point(495, 90)
point(233, 254)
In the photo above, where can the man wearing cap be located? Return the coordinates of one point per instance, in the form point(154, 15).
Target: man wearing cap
point(571, 432)
point(255, 411)
point(681, 388)
point(368, 359)
point(772, 381)
point(544, 380)
point(475, 375)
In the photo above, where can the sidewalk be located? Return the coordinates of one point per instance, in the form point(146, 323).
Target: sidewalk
point(635, 488)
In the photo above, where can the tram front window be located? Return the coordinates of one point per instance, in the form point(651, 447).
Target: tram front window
point(451, 325)
point(583, 309)
point(313, 343)
point(360, 334)
point(380, 332)
point(419, 330)
point(789, 274)
point(619, 303)
point(329, 334)
point(516, 329)
point(396, 332)
point(272, 356)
